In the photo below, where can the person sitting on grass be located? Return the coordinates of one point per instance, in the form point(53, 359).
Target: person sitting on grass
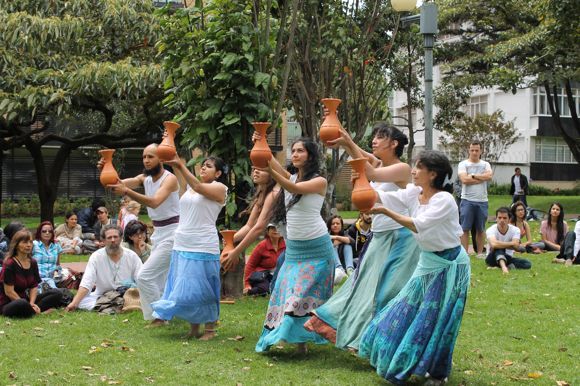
point(19, 281)
point(570, 251)
point(262, 262)
point(47, 253)
point(554, 228)
point(108, 268)
point(132, 213)
point(503, 239)
point(68, 235)
point(360, 232)
point(518, 219)
point(135, 238)
point(343, 257)
point(8, 233)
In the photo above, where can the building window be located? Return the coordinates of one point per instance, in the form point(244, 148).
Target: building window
point(540, 101)
point(476, 105)
point(553, 150)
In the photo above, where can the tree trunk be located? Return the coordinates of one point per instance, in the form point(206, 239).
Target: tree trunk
point(573, 143)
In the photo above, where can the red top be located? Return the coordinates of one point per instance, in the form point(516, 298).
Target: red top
point(263, 258)
point(22, 279)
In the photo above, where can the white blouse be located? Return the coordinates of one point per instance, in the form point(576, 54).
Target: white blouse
point(303, 220)
point(382, 223)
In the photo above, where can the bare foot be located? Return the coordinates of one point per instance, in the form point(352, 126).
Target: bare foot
point(48, 311)
point(157, 323)
point(505, 270)
point(568, 263)
point(208, 335)
point(558, 261)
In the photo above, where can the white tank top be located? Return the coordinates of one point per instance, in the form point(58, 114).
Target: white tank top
point(196, 231)
point(303, 220)
point(382, 223)
point(168, 208)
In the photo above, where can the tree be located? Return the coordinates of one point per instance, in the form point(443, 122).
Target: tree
point(515, 43)
point(495, 135)
point(90, 63)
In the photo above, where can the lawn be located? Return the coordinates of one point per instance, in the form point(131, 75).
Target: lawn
point(515, 328)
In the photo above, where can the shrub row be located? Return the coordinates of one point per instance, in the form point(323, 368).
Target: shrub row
point(534, 190)
point(30, 207)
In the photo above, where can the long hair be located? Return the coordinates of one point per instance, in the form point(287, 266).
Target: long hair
point(259, 197)
point(513, 211)
point(132, 228)
point(329, 224)
point(39, 230)
point(384, 130)
point(559, 222)
point(20, 236)
point(310, 170)
point(437, 162)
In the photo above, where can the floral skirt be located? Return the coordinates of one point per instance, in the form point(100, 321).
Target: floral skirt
point(304, 283)
point(415, 332)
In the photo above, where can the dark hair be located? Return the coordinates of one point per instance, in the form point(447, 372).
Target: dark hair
point(259, 197)
point(108, 227)
point(329, 224)
point(559, 222)
point(69, 214)
point(132, 228)
point(516, 169)
point(502, 209)
point(220, 165)
point(17, 238)
point(514, 209)
point(97, 203)
point(384, 130)
point(11, 229)
point(39, 230)
point(476, 143)
point(310, 170)
point(437, 162)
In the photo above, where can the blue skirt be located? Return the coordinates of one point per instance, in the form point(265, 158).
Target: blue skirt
point(415, 332)
point(192, 291)
point(304, 283)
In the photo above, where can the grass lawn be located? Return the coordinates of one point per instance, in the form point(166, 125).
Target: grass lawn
point(515, 328)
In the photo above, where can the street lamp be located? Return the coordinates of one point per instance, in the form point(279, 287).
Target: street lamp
point(428, 25)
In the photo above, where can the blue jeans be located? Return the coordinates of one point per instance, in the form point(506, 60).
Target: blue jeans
point(496, 255)
point(346, 255)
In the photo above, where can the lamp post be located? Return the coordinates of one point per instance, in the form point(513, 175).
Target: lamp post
point(428, 25)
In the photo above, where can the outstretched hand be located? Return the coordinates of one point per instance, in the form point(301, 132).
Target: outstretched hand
point(120, 189)
point(101, 163)
point(343, 140)
point(175, 161)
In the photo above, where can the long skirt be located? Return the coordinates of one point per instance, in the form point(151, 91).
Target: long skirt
point(416, 331)
point(192, 290)
point(389, 262)
point(304, 283)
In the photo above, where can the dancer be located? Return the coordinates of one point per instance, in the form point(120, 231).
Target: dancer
point(415, 332)
point(392, 253)
point(305, 278)
point(192, 291)
point(162, 200)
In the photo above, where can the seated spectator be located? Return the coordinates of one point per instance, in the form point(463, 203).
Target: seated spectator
point(359, 232)
point(86, 218)
point(343, 256)
point(570, 251)
point(103, 219)
point(136, 239)
point(518, 219)
point(131, 213)
point(108, 269)
point(554, 228)
point(8, 233)
point(122, 210)
point(262, 262)
point(19, 281)
point(46, 252)
point(503, 238)
point(68, 235)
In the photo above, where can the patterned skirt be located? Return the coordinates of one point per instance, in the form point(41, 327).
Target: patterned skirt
point(304, 283)
point(415, 333)
point(388, 263)
point(192, 290)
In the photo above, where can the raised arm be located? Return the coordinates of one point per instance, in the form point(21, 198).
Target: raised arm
point(317, 185)
point(399, 174)
point(168, 186)
point(215, 192)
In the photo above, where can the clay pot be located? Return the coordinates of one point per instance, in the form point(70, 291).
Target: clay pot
point(330, 128)
point(166, 150)
point(261, 153)
point(363, 196)
point(109, 175)
point(228, 236)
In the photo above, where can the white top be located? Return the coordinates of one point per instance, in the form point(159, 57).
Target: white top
point(303, 220)
point(512, 233)
point(168, 208)
point(382, 223)
point(106, 275)
point(577, 242)
point(437, 222)
point(517, 187)
point(476, 192)
point(196, 231)
point(127, 218)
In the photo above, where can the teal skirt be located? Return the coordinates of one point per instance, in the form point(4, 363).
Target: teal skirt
point(304, 283)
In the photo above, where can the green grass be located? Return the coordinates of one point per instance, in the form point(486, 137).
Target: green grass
point(513, 326)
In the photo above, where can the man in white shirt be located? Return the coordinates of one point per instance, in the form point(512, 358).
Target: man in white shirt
point(108, 268)
point(474, 174)
point(503, 238)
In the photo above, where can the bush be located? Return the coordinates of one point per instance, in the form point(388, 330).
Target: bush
point(534, 190)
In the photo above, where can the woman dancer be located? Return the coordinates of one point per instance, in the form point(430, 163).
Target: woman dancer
point(192, 291)
point(415, 332)
point(392, 253)
point(305, 278)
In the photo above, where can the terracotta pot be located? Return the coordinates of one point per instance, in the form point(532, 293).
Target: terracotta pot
point(228, 236)
point(109, 175)
point(330, 128)
point(166, 150)
point(261, 153)
point(363, 196)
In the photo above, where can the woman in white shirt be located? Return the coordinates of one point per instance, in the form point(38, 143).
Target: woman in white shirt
point(415, 332)
point(192, 291)
point(306, 277)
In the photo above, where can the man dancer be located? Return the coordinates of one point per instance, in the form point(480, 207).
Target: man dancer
point(162, 200)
